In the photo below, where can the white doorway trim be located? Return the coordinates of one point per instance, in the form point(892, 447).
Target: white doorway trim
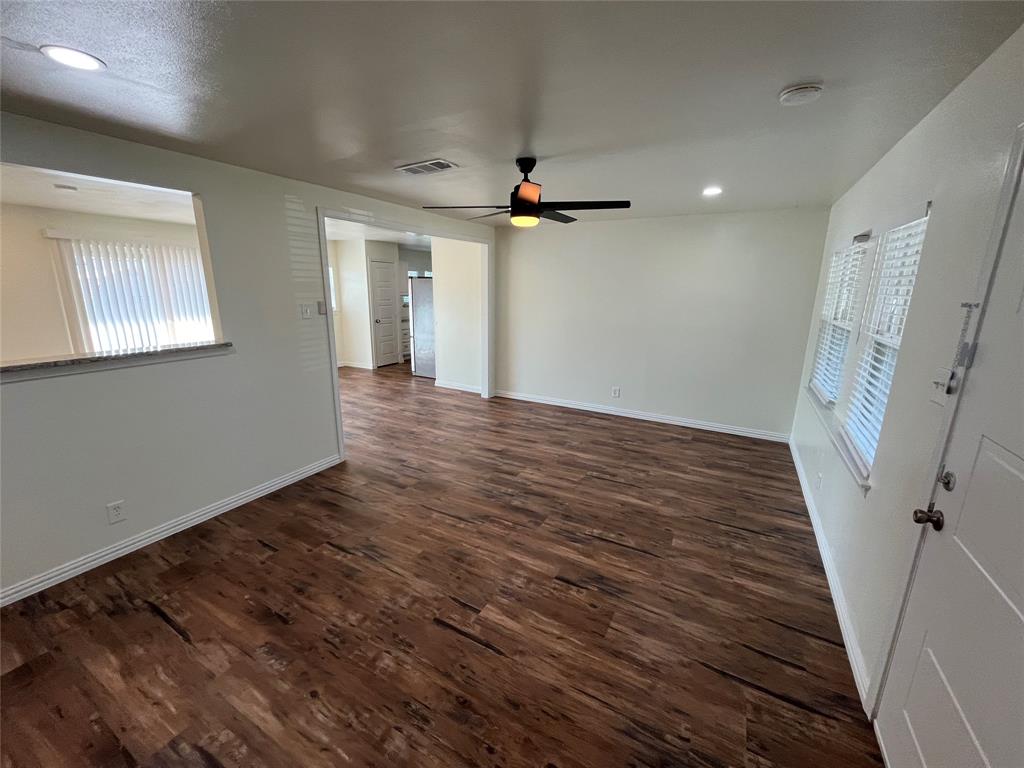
point(1001, 220)
point(325, 267)
point(432, 230)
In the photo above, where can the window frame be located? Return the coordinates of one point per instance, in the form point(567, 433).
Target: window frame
point(80, 361)
point(869, 338)
point(868, 249)
point(833, 412)
point(142, 282)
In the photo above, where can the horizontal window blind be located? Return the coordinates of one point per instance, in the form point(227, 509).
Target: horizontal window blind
point(893, 286)
point(837, 318)
point(133, 297)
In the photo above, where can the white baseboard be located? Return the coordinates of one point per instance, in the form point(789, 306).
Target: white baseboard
point(456, 385)
point(709, 426)
point(82, 564)
point(345, 364)
point(853, 650)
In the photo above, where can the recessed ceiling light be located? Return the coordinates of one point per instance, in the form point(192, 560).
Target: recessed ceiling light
point(712, 191)
point(799, 94)
point(69, 57)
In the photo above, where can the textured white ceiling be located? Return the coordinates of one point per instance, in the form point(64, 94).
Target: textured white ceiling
point(21, 185)
point(649, 101)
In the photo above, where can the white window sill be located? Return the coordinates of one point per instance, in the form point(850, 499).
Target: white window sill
point(28, 370)
point(830, 422)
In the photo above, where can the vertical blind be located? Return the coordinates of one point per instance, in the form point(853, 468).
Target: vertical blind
point(893, 286)
point(837, 319)
point(135, 296)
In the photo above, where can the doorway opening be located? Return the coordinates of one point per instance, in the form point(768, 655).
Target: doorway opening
point(371, 297)
point(407, 309)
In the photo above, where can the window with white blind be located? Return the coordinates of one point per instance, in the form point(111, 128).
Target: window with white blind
point(892, 288)
point(123, 297)
point(837, 323)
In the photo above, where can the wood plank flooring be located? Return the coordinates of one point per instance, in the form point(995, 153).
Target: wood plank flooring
point(482, 583)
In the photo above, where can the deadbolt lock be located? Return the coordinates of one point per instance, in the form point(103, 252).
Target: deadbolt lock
point(947, 480)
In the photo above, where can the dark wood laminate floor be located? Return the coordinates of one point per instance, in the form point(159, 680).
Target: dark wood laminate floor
point(483, 583)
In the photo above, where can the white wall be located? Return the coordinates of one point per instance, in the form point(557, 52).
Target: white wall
point(954, 157)
point(190, 436)
point(352, 320)
point(32, 321)
point(418, 261)
point(458, 302)
point(699, 319)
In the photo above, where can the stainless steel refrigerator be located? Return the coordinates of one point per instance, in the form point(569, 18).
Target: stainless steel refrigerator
point(421, 314)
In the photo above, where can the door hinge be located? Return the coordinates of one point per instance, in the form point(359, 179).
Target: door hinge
point(967, 352)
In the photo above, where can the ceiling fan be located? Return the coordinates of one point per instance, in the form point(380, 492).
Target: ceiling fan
point(525, 208)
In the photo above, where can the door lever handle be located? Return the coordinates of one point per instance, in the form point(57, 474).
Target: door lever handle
point(931, 516)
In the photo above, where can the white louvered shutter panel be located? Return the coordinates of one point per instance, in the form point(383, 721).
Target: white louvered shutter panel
point(133, 297)
point(895, 274)
point(837, 319)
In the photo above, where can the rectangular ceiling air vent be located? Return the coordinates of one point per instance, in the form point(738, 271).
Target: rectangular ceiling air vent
point(427, 166)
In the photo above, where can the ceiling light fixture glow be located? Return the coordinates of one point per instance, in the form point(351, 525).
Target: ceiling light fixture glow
point(712, 191)
point(69, 57)
point(521, 220)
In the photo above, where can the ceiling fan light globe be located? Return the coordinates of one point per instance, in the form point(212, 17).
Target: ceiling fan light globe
point(524, 220)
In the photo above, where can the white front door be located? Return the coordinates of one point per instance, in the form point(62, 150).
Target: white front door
point(954, 697)
point(387, 341)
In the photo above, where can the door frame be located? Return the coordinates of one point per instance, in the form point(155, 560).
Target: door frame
point(332, 346)
point(433, 229)
point(1013, 183)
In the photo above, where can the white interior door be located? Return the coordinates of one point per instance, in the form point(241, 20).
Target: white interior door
point(387, 340)
point(954, 697)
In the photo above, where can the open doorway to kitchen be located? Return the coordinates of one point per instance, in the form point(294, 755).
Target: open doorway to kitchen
point(408, 316)
point(369, 270)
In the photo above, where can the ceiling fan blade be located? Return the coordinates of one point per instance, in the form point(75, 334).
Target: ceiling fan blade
point(528, 192)
point(487, 215)
point(556, 216)
point(452, 207)
point(584, 205)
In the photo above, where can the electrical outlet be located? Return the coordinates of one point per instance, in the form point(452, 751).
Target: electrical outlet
point(116, 513)
point(817, 482)
point(616, 391)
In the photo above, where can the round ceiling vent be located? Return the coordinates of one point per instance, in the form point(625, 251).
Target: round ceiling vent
point(801, 93)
